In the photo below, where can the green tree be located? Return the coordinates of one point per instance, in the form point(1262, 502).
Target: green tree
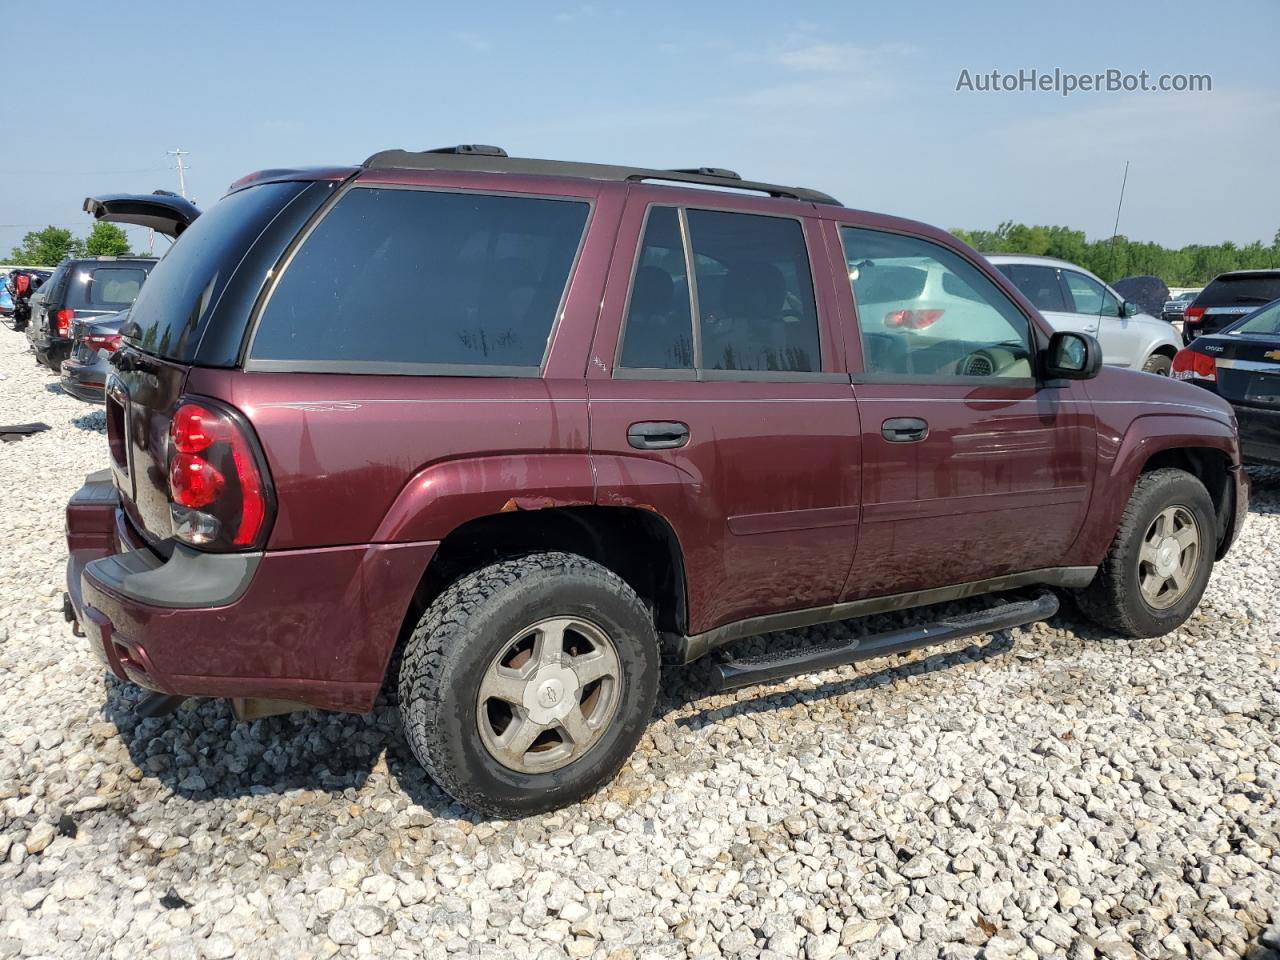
point(46, 248)
point(106, 240)
point(1113, 258)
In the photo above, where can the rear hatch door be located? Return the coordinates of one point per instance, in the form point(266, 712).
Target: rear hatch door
point(165, 213)
point(181, 301)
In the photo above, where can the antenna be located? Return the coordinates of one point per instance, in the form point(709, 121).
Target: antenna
point(1115, 232)
point(179, 154)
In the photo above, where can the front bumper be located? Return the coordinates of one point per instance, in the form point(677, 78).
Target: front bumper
point(309, 626)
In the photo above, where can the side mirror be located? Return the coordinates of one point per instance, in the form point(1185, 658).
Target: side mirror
point(1129, 309)
point(1072, 356)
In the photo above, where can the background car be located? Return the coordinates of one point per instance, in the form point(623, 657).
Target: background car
point(1227, 298)
point(25, 283)
point(83, 288)
point(1176, 305)
point(6, 297)
point(1241, 363)
point(1072, 298)
point(84, 373)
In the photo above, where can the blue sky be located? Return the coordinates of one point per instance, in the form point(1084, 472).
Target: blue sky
point(854, 98)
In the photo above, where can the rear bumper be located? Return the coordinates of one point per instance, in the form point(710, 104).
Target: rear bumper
point(311, 626)
point(85, 382)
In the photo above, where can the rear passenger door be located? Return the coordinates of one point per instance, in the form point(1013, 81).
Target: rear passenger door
point(717, 397)
point(972, 468)
point(1043, 286)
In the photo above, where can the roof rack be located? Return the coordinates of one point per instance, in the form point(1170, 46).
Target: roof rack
point(482, 158)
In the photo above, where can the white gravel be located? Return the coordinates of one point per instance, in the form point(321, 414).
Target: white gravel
point(1047, 792)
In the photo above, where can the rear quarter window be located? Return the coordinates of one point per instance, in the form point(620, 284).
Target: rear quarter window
point(423, 281)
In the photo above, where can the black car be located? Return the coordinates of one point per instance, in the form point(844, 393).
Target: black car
point(80, 289)
point(1227, 298)
point(1175, 307)
point(84, 373)
point(1241, 363)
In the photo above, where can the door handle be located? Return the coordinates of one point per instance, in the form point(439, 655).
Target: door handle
point(658, 435)
point(904, 429)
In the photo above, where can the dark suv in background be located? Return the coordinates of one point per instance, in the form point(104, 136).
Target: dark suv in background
point(81, 289)
point(1228, 298)
point(541, 425)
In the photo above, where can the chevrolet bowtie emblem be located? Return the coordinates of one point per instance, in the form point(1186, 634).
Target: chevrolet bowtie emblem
point(1272, 354)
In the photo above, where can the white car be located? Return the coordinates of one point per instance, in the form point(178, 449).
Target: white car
point(1072, 298)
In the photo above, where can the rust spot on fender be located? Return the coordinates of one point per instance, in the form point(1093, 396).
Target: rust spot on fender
point(539, 503)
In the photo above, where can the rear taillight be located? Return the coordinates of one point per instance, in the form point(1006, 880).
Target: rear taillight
point(109, 342)
point(217, 489)
point(1193, 316)
point(1193, 365)
point(63, 320)
point(911, 319)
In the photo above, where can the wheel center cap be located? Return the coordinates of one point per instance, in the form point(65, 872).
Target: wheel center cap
point(1168, 555)
point(550, 694)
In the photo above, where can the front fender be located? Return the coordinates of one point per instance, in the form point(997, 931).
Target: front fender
point(1122, 456)
point(440, 498)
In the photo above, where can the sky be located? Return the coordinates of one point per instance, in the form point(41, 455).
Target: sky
point(857, 99)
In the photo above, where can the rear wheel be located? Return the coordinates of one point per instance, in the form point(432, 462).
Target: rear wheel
point(1159, 364)
point(528, 683)
point(1158, 565)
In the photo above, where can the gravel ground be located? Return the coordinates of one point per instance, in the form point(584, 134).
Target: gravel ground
point(1051, 791)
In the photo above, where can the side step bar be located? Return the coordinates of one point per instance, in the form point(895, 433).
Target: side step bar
point(768, 667)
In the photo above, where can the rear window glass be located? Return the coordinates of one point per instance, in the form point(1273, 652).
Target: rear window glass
point(173, 307)
point(1263, 323)
point(100, 288)
point(1038, 284)
point(1240, 290)
point(404, 280)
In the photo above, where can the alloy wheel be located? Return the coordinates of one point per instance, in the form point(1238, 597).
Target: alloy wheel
point(1169, 556)
point(549, 695)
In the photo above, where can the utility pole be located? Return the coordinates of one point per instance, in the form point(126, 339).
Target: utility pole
point(179, 154)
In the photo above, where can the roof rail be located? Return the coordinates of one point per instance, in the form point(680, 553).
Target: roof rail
point(480, 158)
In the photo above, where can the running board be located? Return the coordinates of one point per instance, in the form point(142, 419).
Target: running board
point(768, 667)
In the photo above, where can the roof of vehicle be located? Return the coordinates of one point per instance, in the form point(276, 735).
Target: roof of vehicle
point(1261, 272)
point(481, 158)
point(105, 258)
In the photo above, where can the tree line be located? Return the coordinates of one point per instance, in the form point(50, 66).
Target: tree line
point(52, 245)
point(1190, 266)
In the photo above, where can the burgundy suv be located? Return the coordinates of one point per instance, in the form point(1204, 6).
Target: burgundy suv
point(543, 425)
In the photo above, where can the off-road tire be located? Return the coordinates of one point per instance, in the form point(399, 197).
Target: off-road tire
point(1114, 598)
point(465, 628)
point(1158, 364)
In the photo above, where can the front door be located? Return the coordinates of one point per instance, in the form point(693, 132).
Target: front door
point(723, 404)
point(973, 469)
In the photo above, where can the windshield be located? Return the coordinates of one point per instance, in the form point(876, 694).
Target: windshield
point(173, 308)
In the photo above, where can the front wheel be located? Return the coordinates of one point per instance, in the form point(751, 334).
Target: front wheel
point(1158, 565)
point(528, 682)
point(1159, 364)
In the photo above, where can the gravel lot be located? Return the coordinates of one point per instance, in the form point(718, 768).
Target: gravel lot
point(1050, 791)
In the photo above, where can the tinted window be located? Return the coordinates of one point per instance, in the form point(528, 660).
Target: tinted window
point(756, 307)
point(425, 277)
point(1090, 296)
point(955, 322)
point(94, 287)
point(659, 326)
point(1264, 322)
point(1040, 285)
point(1229, 291)
point(173, 306)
